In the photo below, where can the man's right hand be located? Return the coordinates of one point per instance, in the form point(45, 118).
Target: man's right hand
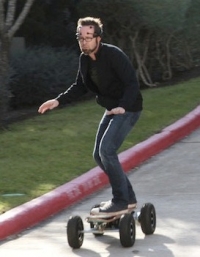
point(48, 105)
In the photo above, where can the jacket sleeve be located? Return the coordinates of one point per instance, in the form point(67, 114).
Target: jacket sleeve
point(75, 91)
point(126, 73)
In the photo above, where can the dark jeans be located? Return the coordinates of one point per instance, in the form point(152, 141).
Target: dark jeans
point(110, 135)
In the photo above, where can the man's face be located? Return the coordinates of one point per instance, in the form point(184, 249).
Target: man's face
point(87, 42)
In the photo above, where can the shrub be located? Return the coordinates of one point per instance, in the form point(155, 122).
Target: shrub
point(41, 73)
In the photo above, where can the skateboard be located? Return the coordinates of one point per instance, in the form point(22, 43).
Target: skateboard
point(124, 223)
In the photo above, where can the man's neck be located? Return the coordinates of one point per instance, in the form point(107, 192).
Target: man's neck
point(93, 54)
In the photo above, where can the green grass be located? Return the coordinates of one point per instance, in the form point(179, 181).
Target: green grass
point(41, 153)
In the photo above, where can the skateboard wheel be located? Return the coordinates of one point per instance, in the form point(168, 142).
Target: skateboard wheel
point(148, 219)
point(127, 230)
point(75, 233)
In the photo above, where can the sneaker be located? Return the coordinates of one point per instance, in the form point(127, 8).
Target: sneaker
point(109, 209)
point(131, 205)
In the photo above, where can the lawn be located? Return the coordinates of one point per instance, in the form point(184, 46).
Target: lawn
point(43, 152)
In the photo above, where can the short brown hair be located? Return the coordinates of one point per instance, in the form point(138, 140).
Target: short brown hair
point(91, 21)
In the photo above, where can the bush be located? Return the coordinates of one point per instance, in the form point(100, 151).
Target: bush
point(41, 73)
point(160, 37)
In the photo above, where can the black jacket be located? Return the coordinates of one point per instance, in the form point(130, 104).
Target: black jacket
point(117, 87)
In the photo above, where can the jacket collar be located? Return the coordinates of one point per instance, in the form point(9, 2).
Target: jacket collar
point(99, 50)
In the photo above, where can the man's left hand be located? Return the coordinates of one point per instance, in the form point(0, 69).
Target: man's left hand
point(117, 110)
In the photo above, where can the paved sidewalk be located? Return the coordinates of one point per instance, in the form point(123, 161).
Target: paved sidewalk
point(170, 180)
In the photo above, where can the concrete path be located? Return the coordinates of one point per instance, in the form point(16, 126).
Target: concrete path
point(169, 180)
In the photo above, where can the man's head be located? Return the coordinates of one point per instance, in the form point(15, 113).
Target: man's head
point(89, 33)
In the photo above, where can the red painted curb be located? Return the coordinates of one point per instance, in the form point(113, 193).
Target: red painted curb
point(156, 143)
point(33, 212)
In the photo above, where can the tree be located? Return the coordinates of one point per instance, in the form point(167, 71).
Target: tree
point(52, 23)
point(9, 24)
point(155, 34)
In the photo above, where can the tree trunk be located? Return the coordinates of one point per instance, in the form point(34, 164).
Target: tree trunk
point(9, 24)
point(4, 73)
point(140, 60)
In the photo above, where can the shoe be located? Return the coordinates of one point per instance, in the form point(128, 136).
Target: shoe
point(131, 205)
point(109, 209)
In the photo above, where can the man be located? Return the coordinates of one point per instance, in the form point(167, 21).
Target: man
point(105, 70)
